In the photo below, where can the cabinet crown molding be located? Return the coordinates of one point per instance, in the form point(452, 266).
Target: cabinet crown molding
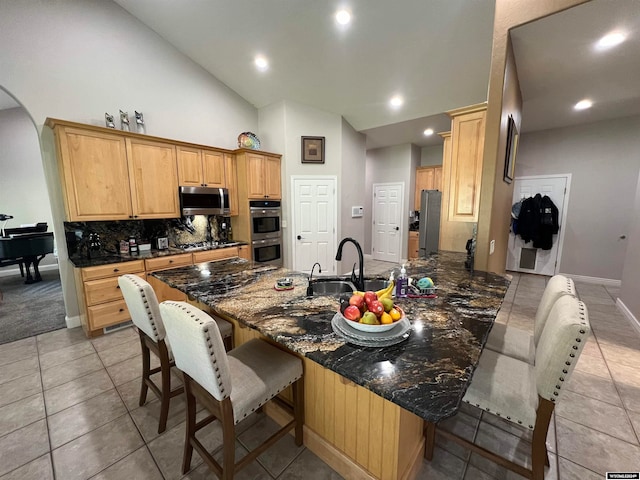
point(478, 107)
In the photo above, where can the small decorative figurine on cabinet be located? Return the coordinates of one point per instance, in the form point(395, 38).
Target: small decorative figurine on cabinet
point(124, 121)
point(108, 120)
point(140, 123)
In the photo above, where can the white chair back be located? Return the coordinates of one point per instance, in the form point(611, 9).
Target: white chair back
point(558, 286)
point(560, 346)
point(197, 347)
point(143, 305)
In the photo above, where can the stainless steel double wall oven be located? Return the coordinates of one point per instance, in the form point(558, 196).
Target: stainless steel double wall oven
point(266, 231)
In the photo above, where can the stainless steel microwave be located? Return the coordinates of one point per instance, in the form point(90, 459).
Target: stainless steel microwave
point(204, 201)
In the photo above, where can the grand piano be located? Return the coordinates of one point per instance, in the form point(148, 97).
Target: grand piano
point(26, 247)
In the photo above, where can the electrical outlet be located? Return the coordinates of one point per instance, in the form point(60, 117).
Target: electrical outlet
point(492, 247)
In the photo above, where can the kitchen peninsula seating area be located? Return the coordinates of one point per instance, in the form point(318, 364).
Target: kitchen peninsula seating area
point(93, 427)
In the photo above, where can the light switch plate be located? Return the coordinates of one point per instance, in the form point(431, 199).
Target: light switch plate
point(492, 247)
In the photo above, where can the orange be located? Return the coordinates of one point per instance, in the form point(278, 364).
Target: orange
point(386, 319)
point(395, 314)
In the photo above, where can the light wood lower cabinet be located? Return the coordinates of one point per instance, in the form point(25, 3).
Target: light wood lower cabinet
point(244, 252)
point(213, 255)
point(414, 245)
point(101, 301)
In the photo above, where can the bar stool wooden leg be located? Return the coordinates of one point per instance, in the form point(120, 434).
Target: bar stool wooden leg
point(298, 410)
point(146, 366)
point(165, 372)
point(229, 440)
point(538, 446)
point(191, 425)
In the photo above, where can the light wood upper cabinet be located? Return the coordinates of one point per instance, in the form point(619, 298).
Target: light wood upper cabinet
point(427, 178)
point(213, 169)
point(200, 167)
point(114, 176)
point(262, 176)
point(94, 171)
point(231, 179)
point(467, 146)
point(153, 178)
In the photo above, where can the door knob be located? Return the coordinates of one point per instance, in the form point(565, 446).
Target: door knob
point(299, 237)
point(397, 228)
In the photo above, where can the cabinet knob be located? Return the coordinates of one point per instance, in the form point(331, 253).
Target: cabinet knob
point(115, 270)
point(121, 310)
point(170, 261)
point(118, 287)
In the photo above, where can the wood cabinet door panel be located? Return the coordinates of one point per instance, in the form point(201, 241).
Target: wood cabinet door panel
point(154, 179)
point(244, 252)
point(213, 168)
point(255, 176)
point(437, 178)
point(107, 314)
point(165, 292)
point(96, 177)
point(103, 290)
point(414, 244)
point(189, 167)
point(213, 255)
point(112, 270)
point(272, 188)
point(170, 261)
point(466, 167)
point(231, 180)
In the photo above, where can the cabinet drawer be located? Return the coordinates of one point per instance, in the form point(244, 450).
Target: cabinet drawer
point(112, 270)
point(103, 290)
point(172, 261)
point(111, 313)
point(212, 255)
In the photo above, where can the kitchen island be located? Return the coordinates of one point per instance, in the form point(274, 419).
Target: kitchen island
point(364, 406)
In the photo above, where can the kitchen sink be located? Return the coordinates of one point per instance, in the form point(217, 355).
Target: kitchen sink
point(375, 284)
point(331, 287)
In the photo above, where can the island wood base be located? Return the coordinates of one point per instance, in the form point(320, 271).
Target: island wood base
point(358, 433)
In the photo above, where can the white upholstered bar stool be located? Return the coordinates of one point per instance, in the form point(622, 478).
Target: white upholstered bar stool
point(145, 313)
point(522, 393)
point(520, 344)
point(231, 385)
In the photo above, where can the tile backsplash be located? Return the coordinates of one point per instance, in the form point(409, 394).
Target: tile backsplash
point(179, 231)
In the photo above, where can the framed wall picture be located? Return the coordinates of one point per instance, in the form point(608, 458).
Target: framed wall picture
point(312, 149)
point(512, 148)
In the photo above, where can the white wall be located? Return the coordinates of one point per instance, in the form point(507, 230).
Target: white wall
point(390, 165)
point(76, 60)
point(23, 189)
point(603, 160)
point(352, 191)
point(431, 155)
point(629, 292)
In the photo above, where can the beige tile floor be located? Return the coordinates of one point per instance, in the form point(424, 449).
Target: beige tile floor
point(69, 410)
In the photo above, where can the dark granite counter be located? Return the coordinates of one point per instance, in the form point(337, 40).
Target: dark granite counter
point(427, 374)
point(81, 262)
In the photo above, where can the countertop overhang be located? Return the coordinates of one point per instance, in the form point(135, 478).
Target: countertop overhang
point(427, 374)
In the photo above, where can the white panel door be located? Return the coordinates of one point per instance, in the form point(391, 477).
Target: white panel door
point(521, 256)
point(387, 221)
point(314, 229)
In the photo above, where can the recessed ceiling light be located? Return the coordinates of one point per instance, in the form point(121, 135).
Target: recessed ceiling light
point(583, 104)
point(428, 132)
point(396, 101)
point(611, 40)
point(261, 63)
point(343, 17)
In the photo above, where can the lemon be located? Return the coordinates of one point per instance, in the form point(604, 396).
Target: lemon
point(386, 319)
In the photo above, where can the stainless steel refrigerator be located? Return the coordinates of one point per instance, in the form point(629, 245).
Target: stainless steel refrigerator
point(430, 203)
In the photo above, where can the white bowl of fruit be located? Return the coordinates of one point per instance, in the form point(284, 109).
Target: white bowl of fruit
point(371, 311)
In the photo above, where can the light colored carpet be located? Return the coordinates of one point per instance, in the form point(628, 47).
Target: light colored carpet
point(28, 310)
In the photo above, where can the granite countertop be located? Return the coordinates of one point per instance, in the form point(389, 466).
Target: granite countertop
point(81, 262)
point(426, 374)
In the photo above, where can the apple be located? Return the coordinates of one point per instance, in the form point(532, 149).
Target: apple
point(352, 313)
point(357, 301)
point(370, 297)
point(376, 307)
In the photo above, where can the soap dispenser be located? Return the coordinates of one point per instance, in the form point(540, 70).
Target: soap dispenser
point(402, 283)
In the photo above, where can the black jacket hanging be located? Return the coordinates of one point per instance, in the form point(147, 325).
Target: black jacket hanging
point(528, 219)
point(548, 224)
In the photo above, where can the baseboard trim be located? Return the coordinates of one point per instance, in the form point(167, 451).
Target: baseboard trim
point(16, 271)
point(609, 282)
point(627, 313)
point(72, 322)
